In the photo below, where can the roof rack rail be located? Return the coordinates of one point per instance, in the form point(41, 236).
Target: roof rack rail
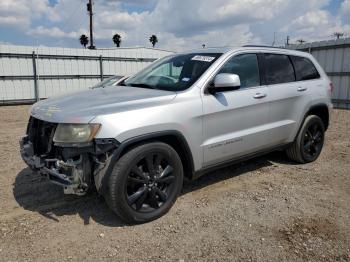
point(266, 46)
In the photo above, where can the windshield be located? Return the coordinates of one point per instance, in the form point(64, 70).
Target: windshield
point(173, 73)
point(107, 82)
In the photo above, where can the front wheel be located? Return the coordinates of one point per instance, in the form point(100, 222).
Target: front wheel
point(145, 182)
point(309, 142)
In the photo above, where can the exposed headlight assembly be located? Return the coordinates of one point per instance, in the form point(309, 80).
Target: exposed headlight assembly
point(75, 133)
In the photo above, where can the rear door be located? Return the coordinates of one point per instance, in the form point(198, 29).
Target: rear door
point(288, 97)
point(234, 122)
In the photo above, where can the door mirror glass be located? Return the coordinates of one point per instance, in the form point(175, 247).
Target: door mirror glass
point(225, 82)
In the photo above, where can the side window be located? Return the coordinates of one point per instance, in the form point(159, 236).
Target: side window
point(279, 69)
point(304, 69)
point(246, 67)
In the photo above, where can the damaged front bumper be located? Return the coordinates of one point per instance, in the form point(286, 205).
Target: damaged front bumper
point(75, 167)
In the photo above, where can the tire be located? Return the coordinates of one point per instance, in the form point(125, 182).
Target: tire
point(145, 182)
point(308, 144)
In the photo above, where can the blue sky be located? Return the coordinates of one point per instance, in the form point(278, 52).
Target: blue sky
point(333, 6)
point(179, 24)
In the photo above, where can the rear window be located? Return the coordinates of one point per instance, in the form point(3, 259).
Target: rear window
point(304, 69)
point(279, 69)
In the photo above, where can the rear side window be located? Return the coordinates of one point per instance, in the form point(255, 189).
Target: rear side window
point(246, 67)
point(304, 69)
point(279, 69)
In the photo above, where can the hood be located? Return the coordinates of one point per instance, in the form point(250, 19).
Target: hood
point(82, 107)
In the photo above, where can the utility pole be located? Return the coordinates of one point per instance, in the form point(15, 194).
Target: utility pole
point(301, 41)
point(338, 35)
point(287, 42)
point(89, 9)
point(274, 39)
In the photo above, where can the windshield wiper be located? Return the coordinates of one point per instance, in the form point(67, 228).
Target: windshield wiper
point(142, 86)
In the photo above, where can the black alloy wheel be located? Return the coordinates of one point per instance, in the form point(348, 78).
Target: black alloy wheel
point(308, 144)
point(149, 182)
point(145, 182)
point(313, 141)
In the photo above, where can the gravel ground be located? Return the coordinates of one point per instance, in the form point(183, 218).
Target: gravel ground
point(266, 209)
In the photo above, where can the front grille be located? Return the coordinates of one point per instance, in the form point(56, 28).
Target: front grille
point(40, 133)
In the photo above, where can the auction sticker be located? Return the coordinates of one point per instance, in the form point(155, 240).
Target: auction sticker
point(203, 58)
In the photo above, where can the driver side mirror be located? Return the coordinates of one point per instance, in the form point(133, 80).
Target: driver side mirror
point(224, 82)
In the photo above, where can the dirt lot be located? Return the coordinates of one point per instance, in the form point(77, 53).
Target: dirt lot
point(261, 210)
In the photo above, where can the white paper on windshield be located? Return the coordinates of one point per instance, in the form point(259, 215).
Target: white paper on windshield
point(203, 58)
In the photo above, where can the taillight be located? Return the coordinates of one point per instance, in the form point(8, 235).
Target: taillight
point(331, 87)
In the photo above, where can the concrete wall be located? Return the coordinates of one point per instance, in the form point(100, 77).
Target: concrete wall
point(64, 70)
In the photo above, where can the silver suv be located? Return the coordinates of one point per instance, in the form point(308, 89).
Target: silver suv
point(180, 117)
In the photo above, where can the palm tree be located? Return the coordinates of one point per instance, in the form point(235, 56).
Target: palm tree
point(153, 39)
point(117, 39)
point(84, 40)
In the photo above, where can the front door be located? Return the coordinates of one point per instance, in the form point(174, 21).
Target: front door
point(235, 123)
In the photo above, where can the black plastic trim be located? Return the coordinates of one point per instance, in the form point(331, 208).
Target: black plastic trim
point(103, 145)
point(135, 140)
point(96, 147)
point(213, 90)
point(261, 64)
point(155, 135)
point(312, 108)
point(308, 113)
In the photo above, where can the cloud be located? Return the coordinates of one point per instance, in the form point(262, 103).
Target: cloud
point(122, 20)
point(311, 21)
point(136, 2)
point(179, 24)
point(53, 32)
point(345, 11)
point(21, 13)
point(345, 7)
point(317, 25)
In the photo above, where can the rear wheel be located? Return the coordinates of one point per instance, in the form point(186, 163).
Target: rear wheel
point(145, 182)
point(309, 142)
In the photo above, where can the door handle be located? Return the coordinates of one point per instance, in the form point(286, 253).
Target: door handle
point(301, 88)
point(259, 95)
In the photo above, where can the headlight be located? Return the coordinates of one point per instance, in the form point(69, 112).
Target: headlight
point(75, 133)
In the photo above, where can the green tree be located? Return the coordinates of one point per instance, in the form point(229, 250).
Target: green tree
point(117, 39)
point(153, 39)
point(84, 40)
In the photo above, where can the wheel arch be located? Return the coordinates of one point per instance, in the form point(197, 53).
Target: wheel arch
point(320, 110)
point(173, 138)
